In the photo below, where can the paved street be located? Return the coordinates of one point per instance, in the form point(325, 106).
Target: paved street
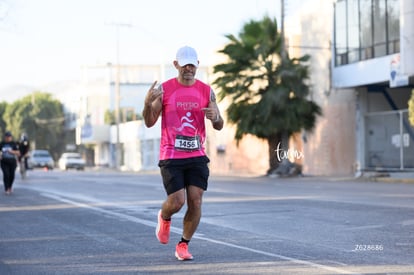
point(103, 223)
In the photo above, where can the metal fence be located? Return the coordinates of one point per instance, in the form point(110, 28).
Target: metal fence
point(389, 141)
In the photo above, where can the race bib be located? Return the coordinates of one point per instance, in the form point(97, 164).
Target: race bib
point(185, 143)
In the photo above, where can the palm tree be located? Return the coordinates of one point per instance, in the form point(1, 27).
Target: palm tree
point(267, 89)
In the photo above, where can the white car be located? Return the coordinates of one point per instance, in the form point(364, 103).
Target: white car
point(40, 159)
point(71, 160)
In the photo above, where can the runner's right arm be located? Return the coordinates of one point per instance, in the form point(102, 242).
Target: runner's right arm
point(153, 105)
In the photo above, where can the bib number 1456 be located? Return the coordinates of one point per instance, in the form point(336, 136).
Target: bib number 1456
point(185, 143)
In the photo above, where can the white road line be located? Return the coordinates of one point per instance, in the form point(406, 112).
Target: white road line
point(60, 197)
point(290, 259)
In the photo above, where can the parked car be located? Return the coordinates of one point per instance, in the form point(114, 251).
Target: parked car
point(71, 160)
point(40, 159)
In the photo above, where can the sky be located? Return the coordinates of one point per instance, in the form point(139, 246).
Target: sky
point(47, 41)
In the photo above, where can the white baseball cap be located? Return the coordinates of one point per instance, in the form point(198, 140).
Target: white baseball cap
point(187, 55)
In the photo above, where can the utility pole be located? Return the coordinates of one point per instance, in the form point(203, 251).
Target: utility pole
point(282, 27)
point(117, 26)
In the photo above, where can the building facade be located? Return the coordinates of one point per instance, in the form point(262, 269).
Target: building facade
point(373, 54)
point(362, 77)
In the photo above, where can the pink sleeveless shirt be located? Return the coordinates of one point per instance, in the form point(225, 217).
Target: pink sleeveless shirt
point(183, 131)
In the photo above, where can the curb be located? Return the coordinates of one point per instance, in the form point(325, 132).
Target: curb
point(392, 180)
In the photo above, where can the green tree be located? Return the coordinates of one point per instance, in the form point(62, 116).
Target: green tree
point(3, 126)
point(41, 118)
point(411, 108)
point(266, 89)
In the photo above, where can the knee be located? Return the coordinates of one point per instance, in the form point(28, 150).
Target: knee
point(194, 203)
point(176, 202)
point(194, 198)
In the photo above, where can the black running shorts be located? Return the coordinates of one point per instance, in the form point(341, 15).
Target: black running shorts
point(180, 173)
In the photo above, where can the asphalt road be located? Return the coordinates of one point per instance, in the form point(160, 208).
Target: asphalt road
point(103, 223)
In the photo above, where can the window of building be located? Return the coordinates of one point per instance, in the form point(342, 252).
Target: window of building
point(353, 34)
point(366, 29)
point(393, 27)
point(379, 27)
point(340, 34)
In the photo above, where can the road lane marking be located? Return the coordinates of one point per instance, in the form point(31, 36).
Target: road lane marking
point(104, 211)
point(274, 255)
point(61, 197)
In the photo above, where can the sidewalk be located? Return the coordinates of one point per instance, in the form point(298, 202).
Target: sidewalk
point(391, 177)
point(400, 177)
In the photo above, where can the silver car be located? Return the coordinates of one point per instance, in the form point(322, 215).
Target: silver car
point(40, 159)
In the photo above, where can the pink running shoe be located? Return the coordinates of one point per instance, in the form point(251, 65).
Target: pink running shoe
point(181, 252)
point(163, 229)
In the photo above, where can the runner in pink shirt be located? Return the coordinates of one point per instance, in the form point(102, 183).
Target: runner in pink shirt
point(183, 103)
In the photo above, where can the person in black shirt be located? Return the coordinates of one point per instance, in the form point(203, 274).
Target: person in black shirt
point(24, 147)
point(9, 151)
